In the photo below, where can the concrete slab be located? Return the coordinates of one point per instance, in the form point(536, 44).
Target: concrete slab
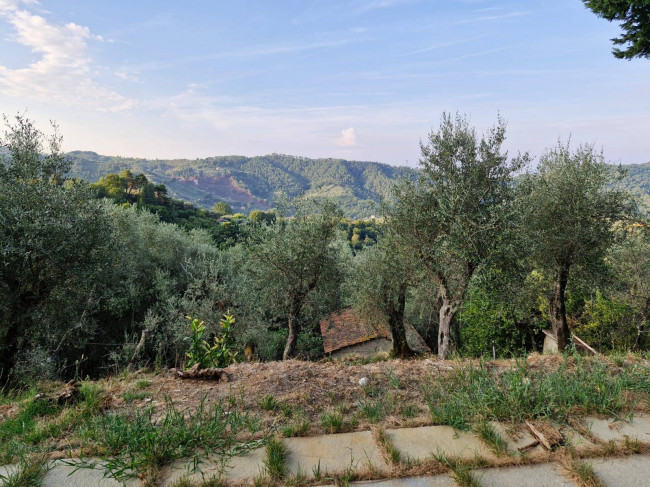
point(61, 473)
point(544, 475)
point(609, 430)
point(7, 470)
point(632, 471)
point(436, 481)
point(422, 443)
point(335, 453)
point(238, 469)
point(575, 440)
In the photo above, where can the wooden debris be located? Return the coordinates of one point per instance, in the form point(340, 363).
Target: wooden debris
point(195, 372)
point(548, 436)
point(68, 394)
point(582, 344)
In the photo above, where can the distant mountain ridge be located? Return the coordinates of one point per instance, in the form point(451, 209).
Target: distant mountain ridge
point(248, 183)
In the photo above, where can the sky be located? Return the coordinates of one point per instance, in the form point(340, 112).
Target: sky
point(356, 79)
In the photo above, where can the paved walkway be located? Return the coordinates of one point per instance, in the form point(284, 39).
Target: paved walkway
point(361, 455)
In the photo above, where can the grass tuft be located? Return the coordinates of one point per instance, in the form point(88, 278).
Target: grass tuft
point(332, 421)
point(492, 438)
point(477, 392)
point(29, 473)
point(269, 403)
point(139, 441)
point(585, 474)
point(460, 472)
point(392, 453)
point(275, 462)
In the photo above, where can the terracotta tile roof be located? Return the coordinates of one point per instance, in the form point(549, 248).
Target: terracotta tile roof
point(345, 328)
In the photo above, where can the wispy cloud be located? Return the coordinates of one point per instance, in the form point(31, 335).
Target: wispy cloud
point(442, 45)
point(379, 4)
point(491, 18)
point(63, 72)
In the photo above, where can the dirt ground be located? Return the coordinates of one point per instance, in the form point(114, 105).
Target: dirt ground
point(307, 390)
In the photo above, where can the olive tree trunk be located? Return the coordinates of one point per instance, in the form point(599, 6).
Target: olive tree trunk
point(294, 329)
point(557, 307)
point(401, 347)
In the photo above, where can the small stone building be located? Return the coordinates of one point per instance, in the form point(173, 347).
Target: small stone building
point(347, 333)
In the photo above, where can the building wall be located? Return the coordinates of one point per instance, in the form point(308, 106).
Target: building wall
point(365, 349)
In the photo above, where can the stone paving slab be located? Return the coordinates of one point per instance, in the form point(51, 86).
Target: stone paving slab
point(436, 481)
point(545, 475)
point(336, 453)
point(7, 470)
point(61, 474)
point(422, 443)
point(576, 440)
point(239, 469)
point(632, 471)
point(609, 430)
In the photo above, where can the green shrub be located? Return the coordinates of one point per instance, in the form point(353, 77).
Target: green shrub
point(219, 354)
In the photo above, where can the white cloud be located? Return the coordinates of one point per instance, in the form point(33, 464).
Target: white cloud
point(63, 71)
point(348, 138)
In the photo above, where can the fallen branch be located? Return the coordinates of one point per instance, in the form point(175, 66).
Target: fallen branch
point(579, 342)
point(71, 392)
point(219, 375)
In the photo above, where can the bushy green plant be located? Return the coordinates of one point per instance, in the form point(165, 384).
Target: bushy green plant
point(220, 353)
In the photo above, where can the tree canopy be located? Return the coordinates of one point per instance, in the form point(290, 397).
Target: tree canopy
point(454, 216)
point(634, 16)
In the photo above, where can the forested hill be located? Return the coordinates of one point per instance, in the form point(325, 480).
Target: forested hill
point(248, 183)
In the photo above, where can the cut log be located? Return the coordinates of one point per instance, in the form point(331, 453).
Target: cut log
point(195, 372)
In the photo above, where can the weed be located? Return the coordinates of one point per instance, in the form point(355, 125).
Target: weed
point(142, 384)
point(517, 394)
point(29, 473)
point(492, 438)
point(130, 396)
point(393, 455)
point(461, 473)
point(297, 428)
point(317, 472)
point(332, 421)
point(585, 473)
point(393, 380)
point(287, 410)
point(373, 410)
point(138, 440)
point(633, 445)
point(409, 411)
point(269, 403)
point(275, 462)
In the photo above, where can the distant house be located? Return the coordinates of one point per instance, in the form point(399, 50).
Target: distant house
point(347, 333)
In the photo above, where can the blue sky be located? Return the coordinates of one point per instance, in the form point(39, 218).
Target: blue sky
point(358, 79)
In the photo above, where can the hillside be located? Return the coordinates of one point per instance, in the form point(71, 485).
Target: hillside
point(248, 183)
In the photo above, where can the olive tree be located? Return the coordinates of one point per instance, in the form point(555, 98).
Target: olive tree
point(292, 260)
point(52, 242)
point(453, 216)
point(383, 276)
point(572, 205)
